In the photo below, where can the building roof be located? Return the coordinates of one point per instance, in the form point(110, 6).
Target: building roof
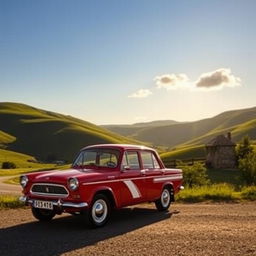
point(220, 140)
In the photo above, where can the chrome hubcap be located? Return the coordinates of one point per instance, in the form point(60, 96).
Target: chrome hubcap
point(99, 211)
point(165, 198)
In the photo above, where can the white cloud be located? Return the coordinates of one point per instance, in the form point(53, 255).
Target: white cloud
point(217, 79)
point(142, 93)
point(171, 81)
point(214, 80)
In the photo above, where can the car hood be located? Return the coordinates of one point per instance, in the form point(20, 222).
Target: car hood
point(61, 176)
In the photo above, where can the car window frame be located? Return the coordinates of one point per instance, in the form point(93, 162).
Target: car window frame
point(153, 154)
point(125, 155)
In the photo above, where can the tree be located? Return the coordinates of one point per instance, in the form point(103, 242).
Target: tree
point(247, 165)
point(244, 148)
point(194, 175)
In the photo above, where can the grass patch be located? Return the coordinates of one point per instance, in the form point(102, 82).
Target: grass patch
point(249, 193)
point(8, 201)
point(10, 172)
point(212, 193)
point(45, 167)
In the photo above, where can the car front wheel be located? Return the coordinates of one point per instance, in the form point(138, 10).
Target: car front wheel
point(99, 212)
point(163, 203)
point(42, 214)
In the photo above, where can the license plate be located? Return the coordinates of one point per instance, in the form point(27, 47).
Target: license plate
point(43, 204)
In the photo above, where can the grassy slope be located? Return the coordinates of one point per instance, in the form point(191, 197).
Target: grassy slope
point(200, 131)
point(41, 133)
point(133, 129)
point(21, 162)
point(240, 122)
point(185, 153)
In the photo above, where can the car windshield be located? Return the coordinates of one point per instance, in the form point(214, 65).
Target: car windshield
point(97, 157)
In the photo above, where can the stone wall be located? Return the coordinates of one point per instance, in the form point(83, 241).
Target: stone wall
point(221, 157)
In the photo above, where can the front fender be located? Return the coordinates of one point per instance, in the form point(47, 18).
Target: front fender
point(103, 189)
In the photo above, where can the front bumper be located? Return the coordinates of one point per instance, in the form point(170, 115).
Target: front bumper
point(59, 203)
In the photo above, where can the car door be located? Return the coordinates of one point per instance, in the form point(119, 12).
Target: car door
point(152, 170)
point(132, 189)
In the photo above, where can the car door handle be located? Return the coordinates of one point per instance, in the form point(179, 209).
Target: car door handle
point(143, 172)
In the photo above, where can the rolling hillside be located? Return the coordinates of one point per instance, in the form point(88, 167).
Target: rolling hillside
point(133, 129)
point(184, 153)
point(239, 122)
point(49, 135)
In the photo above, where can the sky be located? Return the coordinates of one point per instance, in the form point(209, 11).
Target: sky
point(117, 61)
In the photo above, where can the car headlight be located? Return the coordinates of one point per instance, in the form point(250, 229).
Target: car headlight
point(23, 181)
point(73, 183)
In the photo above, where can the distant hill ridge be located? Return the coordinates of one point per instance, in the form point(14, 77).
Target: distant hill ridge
point(132, 129)
point(240, 122)
point(49, 135)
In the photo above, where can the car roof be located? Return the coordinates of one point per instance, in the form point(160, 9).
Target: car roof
point(119, 146)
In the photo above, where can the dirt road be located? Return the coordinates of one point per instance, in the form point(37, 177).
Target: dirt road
point(9, 188)
point(196, 229)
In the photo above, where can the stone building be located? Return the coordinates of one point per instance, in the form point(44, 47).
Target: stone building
point(220, 152)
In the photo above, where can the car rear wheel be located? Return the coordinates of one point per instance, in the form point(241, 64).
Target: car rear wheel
point(164, 202)
point(43, 214)
point(99, 212)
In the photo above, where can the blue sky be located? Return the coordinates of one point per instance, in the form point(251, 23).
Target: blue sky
point(119, 61)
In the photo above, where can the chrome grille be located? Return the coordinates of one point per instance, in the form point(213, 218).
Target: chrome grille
point(46, 189)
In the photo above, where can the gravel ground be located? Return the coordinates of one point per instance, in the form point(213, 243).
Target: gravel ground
point(188, 229)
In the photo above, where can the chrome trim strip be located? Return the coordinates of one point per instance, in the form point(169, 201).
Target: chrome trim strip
point(75, 205)
point(58, 203)
point(49, 194)
point(172, 177)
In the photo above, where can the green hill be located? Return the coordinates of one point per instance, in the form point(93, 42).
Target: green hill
point(20, 160)
point(133, 129)
point(184, 153)
point(49, 135)
point(239, 122)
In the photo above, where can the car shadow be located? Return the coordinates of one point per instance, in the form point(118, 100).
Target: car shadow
point(68, 233)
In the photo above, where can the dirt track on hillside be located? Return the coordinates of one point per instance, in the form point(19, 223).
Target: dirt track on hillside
point(9, 188)
point(196, 229)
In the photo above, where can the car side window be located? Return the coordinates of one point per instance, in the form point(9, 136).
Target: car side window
point(131, 160)
point(89, 158)
point(108, 160)
point(149, 160)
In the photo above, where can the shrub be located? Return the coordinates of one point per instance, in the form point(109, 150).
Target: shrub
point(244, 148)
point(249, 193)
point(8, 165)
point(247, 166)
point(194, 175)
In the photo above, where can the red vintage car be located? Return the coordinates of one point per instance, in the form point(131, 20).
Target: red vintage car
point(102, 177)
